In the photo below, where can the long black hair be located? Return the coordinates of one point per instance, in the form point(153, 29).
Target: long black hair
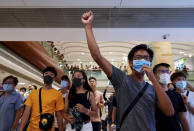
point(86, 86)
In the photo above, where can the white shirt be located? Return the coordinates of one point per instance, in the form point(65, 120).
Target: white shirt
point(189, 115)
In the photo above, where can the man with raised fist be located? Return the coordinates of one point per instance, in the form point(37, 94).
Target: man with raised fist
point(141, 117)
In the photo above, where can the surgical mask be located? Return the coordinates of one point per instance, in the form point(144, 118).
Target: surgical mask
point(77, 82)
point(29, 91)
point(137, 64)
point(181, 85)
point(7, 87)
point(63, 83)
point(164, 78)
point(64, 95)
point(48, 80)
point(21, 93)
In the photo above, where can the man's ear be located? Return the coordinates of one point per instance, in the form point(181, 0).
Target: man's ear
point(130, 63)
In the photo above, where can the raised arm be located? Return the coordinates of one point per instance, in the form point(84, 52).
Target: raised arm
point(87, 19)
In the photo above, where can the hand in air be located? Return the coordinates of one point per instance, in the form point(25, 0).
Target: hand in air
point(87, 18)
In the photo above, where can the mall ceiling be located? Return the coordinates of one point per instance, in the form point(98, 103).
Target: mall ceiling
point(108, 13)
point(75, 52)
point(104, 17)
point(112, 16)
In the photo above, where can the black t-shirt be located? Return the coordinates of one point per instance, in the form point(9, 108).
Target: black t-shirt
point(170, 123)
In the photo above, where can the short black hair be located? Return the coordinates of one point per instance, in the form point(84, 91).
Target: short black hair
point(92, 78)
point(140, 47)
point(158, 65)
point(15, 79)
point(51, 69)
point(35, 87)
point(22, 88)
point(65, 77)
point(177, 74)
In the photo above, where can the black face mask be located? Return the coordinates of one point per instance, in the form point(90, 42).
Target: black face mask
point(48, 80)
point(77, 82)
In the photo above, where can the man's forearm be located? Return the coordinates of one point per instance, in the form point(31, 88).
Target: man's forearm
point(93, 47)
point(185, 124)
point(190, 108)
point(164, 101)
point(17, 117)
point(185, 127)
point(59, 120)
point(190, 86)
point(23, 123)
point(25, 117)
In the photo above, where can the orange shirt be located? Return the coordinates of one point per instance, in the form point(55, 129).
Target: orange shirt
point(52, 101)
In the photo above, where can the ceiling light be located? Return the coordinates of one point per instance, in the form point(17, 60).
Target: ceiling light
point(124, 54)
point(181, 52)
point(21, 83)
point(78, 59)
point(83, 53)
point(190, 55)
point(112, 59)
point(110, 52)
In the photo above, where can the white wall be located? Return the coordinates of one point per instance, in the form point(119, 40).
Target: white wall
point(101, 34)
point(98, 3)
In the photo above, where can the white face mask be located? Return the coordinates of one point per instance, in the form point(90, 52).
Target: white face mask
point(181, 85)
point(164, 78)
point(64, 95)
point(21, 93)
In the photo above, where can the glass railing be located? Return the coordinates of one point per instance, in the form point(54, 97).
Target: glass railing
point(99, 75)
point(53, 54)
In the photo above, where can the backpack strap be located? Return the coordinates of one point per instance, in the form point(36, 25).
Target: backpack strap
point(187, 94)
point(40, 103)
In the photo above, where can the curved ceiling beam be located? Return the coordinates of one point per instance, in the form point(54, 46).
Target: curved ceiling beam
point(35, 54)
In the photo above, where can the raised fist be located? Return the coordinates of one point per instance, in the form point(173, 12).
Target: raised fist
point(87, 18)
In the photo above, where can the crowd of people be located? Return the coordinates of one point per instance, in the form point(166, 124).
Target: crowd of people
point(135, 105)
point(82, 67)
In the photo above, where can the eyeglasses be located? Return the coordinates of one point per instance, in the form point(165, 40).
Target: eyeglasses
point(164, 71)
point(139, 57)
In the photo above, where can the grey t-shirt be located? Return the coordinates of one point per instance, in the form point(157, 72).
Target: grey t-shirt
point(142, 116)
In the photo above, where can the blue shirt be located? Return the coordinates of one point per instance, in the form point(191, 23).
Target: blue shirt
point(8, 108)
point(142, 116)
